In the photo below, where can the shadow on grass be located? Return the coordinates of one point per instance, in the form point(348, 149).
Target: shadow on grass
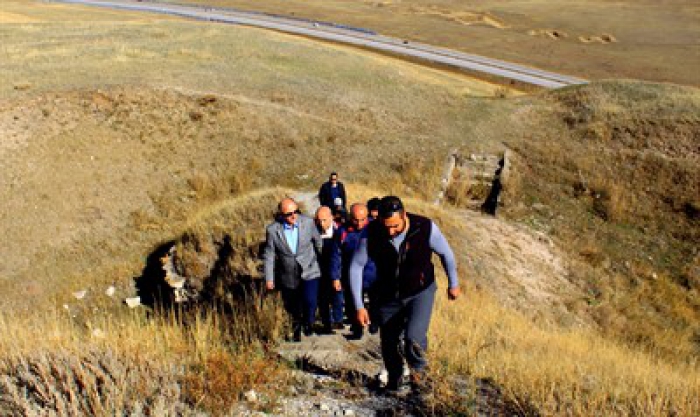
point(247, 312)
point(151, 286)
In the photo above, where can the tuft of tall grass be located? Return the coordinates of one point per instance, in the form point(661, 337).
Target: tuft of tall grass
point(89, 382)
point(121, 362)
point(554, 371)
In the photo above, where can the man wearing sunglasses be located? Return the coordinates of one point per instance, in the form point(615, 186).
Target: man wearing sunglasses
point(290, 262)
point(401, 246)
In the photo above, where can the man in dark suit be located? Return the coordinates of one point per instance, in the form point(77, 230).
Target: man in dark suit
point(290, 259)
point(330, 296)
point(332, 193)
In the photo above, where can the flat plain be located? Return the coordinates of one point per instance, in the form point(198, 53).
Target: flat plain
point(595, 39)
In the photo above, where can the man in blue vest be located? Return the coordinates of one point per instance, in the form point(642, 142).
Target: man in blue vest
point(401, 246)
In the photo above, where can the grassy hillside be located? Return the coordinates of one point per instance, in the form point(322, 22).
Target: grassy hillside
point(208, 360)
point(582, 296)
point(104, 154)
point(611, 172)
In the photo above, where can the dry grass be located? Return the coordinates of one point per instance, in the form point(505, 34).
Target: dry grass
point(557, 372)
point(545, 368)
point(115, 363)
point(140, 145)
point(88, 383)
point(610, 177)
point(630, 39)
point(100, 170)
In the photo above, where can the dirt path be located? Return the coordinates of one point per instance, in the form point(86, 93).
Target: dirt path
point(308, 202)
point(338, 377)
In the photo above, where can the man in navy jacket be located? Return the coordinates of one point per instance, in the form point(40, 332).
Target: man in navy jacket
point(347, 242)
point(330, 294)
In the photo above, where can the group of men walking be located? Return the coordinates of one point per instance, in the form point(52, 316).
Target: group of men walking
point(373, 267)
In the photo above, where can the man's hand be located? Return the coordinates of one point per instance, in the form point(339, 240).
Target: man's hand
point(453, 293)
point(270, 285)
point(363, 317)
point(336, 285)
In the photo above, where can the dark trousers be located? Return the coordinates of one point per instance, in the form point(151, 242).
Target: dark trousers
point(330, 302)
point(372, 304)
point(309, 289)
point(293, 300)
point(410, 318)
point(301, 303)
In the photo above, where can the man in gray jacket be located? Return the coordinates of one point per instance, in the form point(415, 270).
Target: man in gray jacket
point(290, 257)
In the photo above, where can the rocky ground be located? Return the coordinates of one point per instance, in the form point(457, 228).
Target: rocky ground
point(339, 376)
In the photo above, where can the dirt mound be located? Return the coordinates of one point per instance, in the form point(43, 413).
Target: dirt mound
point(642, 117)
point(466, 18)
point(217, 257)
point(549, 33)
point(604, 38)
point(84, 163)
point(522, 268)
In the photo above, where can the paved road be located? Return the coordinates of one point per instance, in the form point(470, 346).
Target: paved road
point(348, 35)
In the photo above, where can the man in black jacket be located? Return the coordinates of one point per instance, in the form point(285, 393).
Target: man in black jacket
point(332, 193)
point(401, 245)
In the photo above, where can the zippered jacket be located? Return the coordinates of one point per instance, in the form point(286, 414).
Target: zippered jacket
point(346, 243)
point(409, 270)
point(404, 263)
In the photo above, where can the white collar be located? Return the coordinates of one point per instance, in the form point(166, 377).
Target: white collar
point(328, 233)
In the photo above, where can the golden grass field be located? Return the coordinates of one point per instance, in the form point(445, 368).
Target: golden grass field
point(595, 39)
point(120, 132)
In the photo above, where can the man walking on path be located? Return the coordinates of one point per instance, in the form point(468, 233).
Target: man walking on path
point(332, 193)
point(330, 295)
point(349, 236)
point(291, 245)
point(401, 245)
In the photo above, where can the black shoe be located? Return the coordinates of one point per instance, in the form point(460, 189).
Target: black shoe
point(395, 387)
point(356, 333)
point(308, 330)
point(327, 329)
point(373, 328)
point(296, 333)
point(338, 326)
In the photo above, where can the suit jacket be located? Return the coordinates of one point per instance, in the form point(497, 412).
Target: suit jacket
point(324, 194)
point(282, 266)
